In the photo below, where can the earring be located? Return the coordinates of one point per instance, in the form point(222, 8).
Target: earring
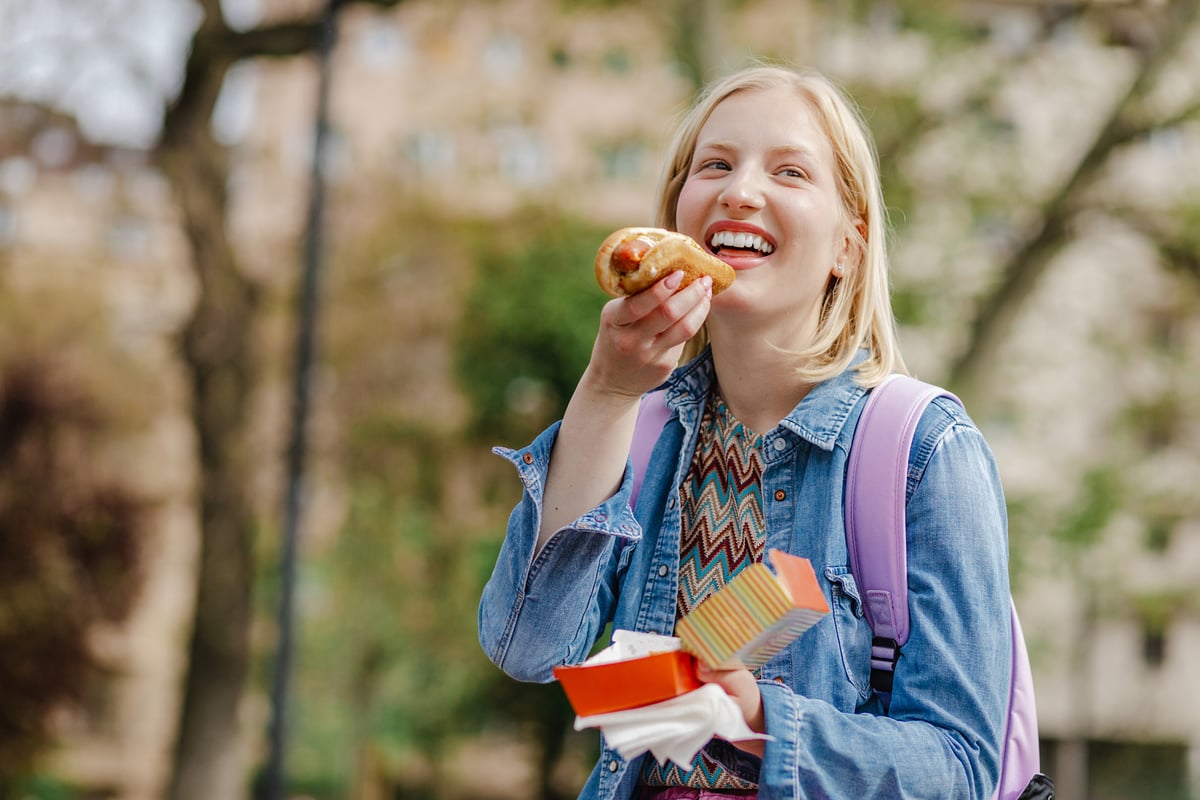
point(838, 270)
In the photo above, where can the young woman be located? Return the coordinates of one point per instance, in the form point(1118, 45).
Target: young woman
point(775, 173)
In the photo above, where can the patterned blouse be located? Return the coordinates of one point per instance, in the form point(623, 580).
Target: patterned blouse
point(723, 531)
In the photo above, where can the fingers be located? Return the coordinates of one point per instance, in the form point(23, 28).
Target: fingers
point(664, 307)
point(740, 685)
point(688, 325)
point(642, 303)
point(641, 336)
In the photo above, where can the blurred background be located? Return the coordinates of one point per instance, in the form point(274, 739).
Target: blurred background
point(246, 405)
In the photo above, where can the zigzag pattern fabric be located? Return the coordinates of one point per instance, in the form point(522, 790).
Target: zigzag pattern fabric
point(723, 525)
point(724, 531)
point(705, 772)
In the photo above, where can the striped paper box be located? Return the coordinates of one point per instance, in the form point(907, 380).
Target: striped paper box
point(756, 614)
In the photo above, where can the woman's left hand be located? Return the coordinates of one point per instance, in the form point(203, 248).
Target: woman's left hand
point(741, 685)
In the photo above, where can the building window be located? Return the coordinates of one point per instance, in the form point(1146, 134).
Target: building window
point(1154, 615)
point(623, 161)
point(617, 61)
point(1159, 533)
point(382, 46)
point(432, 153)
point(502, 57)
point(1154, 646)
point(523, 157)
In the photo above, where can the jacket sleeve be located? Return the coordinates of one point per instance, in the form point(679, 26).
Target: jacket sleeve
point(943, 731)
point(540, 610)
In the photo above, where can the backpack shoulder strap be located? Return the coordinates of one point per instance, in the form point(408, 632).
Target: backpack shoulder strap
point(876, 483)
point(653, 414)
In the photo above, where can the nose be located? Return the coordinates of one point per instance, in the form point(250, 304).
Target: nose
point(741, 191)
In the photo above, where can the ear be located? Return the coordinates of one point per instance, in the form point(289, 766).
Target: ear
point(851, 250)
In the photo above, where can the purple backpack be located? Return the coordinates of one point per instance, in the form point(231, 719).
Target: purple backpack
point(875, 498)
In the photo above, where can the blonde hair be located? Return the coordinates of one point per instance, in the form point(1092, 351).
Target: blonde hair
point(857, 312)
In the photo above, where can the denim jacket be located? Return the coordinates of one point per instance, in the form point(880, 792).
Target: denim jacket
point(941, 734)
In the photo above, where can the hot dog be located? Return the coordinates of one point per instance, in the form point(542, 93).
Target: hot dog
point(632, 259)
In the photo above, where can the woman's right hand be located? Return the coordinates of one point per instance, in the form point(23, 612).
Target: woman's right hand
point(639, 342)
point(641, 336)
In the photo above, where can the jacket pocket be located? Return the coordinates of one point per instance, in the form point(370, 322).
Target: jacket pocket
point(853, 630)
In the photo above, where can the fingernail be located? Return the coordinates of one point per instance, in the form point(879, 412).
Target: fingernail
point(674, 279)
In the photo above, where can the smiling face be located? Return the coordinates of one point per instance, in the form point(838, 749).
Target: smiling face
point(761, 194)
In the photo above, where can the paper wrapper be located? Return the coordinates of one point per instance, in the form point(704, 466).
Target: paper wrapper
point(674, 729)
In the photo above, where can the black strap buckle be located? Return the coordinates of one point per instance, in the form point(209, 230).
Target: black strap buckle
point(884, 655)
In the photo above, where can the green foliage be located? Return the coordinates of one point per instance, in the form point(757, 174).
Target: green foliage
point(390, 669)
point(937, 19)
point(1158, 534)
point(895, 119)
point(1025, 524)
point(1157, 609)
point(1148, 770)
point(528, 325)
point(1157, 420)
point(390, 674)
point(390, 662)
point(911, 305)
point(44, 787)
point(1100, 497)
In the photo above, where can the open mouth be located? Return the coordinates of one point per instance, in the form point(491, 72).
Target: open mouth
point(732, 242)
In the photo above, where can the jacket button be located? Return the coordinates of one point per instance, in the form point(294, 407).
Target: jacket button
point(780, 494)
point(663, 570)
point(779, 445)
point(527, 458)
point(613, 766)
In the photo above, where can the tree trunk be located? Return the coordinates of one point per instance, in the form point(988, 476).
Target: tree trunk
point(218, 354)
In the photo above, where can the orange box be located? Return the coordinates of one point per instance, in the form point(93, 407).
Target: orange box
point(633, 682)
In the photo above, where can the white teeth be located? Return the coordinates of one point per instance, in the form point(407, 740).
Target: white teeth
point(742, 241)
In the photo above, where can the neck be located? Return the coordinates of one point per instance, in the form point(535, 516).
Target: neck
point(758, 382)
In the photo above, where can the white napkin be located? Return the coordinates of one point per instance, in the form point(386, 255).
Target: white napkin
point(674, 729)
point(631, 644)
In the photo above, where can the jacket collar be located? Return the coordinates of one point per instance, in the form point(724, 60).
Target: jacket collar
point(820, 417)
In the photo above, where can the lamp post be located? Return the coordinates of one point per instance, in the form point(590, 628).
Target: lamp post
point(275, 778)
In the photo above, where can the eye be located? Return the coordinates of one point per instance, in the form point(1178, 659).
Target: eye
point(793, 172)
point(713, 163)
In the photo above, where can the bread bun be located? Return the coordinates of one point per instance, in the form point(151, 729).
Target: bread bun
point(633, 259)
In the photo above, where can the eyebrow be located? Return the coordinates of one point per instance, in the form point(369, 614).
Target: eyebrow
point(790, 150)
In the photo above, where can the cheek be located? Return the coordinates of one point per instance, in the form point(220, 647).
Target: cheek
point(689, 209)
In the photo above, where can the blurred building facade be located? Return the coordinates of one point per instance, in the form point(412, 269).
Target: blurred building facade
point(487, 110)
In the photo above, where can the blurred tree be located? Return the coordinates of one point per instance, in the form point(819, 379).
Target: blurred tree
point(528, 323)
point(70, 547)
point(390, 629)
point(220, 356)
point(1129, 121)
